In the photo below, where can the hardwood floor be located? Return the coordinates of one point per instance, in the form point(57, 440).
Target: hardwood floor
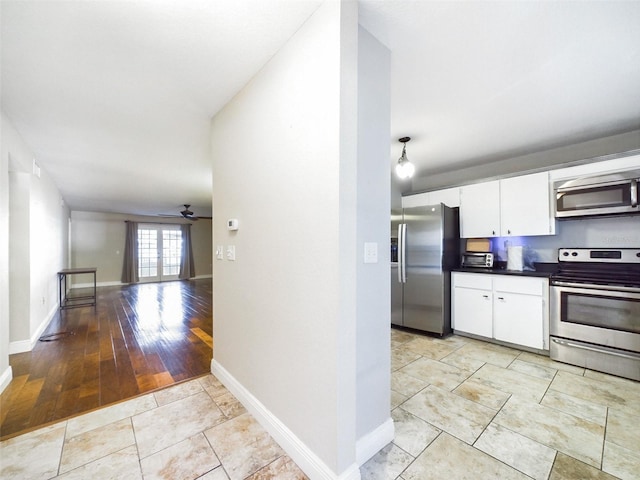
point(138, 338)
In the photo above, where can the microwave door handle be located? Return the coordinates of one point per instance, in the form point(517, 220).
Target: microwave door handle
point(634, 193)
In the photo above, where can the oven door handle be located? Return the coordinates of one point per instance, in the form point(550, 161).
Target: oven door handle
point(634, 193)
point(589, 288)
point(594, 349)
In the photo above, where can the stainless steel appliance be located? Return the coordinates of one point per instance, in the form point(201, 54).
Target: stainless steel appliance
point(595, 310)
point(428, 244)
point(477, 260)
point(600, 195)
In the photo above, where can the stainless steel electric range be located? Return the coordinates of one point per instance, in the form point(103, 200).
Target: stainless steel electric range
point(595, 310)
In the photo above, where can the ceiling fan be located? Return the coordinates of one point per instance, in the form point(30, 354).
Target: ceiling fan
point(188, 214)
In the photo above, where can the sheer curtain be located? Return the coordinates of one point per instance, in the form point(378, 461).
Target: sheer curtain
point(187, 267)
point(130, 264)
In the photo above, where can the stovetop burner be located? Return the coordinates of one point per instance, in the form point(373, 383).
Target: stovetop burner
point(615, 267)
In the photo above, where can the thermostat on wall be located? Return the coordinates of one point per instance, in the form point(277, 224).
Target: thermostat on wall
point(232, 224)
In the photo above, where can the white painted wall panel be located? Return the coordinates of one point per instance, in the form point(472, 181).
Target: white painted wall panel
point(285, 309)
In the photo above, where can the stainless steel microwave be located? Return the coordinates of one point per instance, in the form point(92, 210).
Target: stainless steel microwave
point(600, 195)
point(477, 260)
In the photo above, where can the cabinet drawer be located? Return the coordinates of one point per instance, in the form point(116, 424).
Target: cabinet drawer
point(472, 280)
point(523, 285)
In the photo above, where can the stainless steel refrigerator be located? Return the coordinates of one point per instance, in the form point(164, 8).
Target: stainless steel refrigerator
point(427, 240)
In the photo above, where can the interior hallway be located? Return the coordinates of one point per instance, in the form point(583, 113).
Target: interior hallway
point(138, 338)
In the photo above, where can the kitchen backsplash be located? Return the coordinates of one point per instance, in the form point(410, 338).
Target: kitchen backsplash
point(605, 232)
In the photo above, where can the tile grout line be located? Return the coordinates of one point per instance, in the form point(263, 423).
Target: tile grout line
point(135, 437)
point(604, 438)
point(64, 442)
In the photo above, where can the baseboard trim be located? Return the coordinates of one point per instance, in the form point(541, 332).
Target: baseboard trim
point(371, 443)
point(22, 346)
point(308, 461)
point(119, 284)
point(98, 284)
point(5, 378)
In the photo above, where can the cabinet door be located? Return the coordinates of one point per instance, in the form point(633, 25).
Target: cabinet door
point(525, 206)
point(480, 210)
point(449, 196)
point(416, 200)
point(472, 311)
point(518, 319)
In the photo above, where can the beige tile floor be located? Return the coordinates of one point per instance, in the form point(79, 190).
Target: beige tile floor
point(462, 409)
point(192, 430)
point(465, 409)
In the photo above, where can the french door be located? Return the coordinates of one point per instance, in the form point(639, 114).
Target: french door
point(159, 252)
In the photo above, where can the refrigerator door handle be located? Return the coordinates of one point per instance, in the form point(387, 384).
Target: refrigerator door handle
point(403, 250)
point(400, 253)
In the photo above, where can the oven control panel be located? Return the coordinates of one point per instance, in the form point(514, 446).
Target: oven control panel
point(602, 255)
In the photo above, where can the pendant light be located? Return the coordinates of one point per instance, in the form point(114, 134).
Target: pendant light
point(404, 169)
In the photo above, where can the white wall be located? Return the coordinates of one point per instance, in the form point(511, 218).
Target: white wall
point(285, 321)
point(49, 237)
point(37, 239)
point(19, 256)
point(97, 240)
point(373, 290)
point(578, 153)
point(5, 369)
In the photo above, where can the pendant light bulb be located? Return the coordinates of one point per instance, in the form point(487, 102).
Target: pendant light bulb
point(404, 169)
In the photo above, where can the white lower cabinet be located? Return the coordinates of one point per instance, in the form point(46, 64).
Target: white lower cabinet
point(508, 308)
point(472, 303)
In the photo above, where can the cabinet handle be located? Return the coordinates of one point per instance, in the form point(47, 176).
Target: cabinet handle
point(508, 232)
point(493, 232)
point(485, 296)
point(501, 298)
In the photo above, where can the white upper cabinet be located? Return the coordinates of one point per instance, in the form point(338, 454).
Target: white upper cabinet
point(596, 168)
point(480, 210)
point(517, 206)
point(525, 206)
point(449, 196)
point(416, 200)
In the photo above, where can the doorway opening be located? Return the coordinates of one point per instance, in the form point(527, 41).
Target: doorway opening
point(159, 252)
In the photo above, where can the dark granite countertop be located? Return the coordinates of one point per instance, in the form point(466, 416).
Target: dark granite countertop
point(501, 271)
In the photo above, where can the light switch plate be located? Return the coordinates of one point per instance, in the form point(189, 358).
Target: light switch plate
point(220, 252)
point(231, 252)
point(370, 252)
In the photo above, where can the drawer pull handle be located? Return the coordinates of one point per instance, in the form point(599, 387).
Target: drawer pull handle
point(594, 349)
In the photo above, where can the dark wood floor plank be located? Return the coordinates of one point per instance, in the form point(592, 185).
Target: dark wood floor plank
point(138, 338)
point(19, 411)
point(10, 395)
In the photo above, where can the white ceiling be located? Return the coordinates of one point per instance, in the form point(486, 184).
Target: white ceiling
point(115, 98)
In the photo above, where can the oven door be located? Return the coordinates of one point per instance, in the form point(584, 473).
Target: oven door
point(596, 314)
